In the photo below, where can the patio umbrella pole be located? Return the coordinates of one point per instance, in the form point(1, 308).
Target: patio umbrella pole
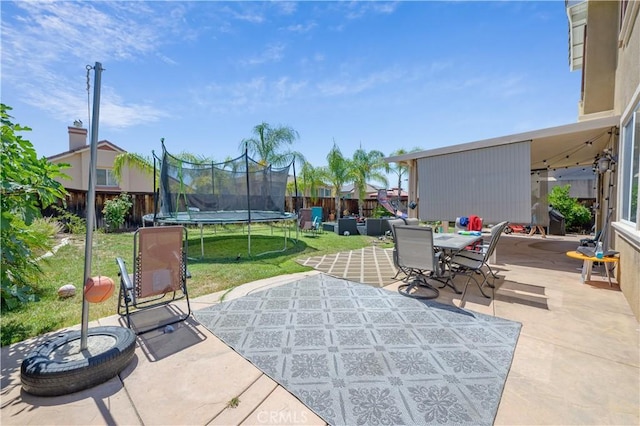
point(91, 201)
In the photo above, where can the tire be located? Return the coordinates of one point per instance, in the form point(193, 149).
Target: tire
point(43, 375)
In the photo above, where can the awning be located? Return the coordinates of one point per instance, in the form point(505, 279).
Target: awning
point(570, 145)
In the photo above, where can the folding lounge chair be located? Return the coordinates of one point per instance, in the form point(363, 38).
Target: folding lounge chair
point(416, 256)
point(471, 262)
point(159, 274)
point(305, 223)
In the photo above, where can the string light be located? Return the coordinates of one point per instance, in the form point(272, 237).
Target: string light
point(568, 153)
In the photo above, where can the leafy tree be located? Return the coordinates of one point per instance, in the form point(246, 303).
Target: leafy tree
point(269, 145)
point(27, 185)
point(367, 166)
point(311, 178)
point(399, 169)
point(575, 214)
point(337, 172)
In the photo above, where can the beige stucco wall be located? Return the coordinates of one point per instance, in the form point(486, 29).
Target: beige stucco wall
point(628, 72)
point(74, 171)
point(626, 96)
point(600, 57)
point(629, 273)
point(133, 180)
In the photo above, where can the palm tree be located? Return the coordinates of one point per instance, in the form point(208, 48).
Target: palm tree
point(268, 143)
point(145, 164)
point(312, 178)
point(337, 173)
point(132, 160)
point(367, 166)
point(399, 169)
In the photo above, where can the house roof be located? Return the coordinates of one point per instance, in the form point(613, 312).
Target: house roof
point(391, 194)
point(569, 145)
point(104, 145)
point(350, 188)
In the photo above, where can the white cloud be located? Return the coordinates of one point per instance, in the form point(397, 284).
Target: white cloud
point(299, 28)
point(285, 7)
point(272, 53)
point(44, 43)
point(350, 86)
point(358, 9)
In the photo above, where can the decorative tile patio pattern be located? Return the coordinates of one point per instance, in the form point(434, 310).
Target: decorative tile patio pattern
point(355, 354)
point(369, 265)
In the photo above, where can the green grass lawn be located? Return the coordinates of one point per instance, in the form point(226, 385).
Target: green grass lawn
point(225, 264)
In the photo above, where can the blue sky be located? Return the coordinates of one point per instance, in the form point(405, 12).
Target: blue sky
point(381, 75)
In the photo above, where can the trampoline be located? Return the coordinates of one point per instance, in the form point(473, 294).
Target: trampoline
point(237, 191)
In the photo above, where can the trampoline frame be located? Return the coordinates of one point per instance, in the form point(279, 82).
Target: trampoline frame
point(186, 218)
point(194, 216)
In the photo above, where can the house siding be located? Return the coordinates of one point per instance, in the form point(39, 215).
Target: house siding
point(600, 57)
point(133, 180)
point(628, 275)
point(628, 71)
point(626, 96)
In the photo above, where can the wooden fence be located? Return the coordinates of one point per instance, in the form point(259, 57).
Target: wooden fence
point(76, 203)
point(143, 204)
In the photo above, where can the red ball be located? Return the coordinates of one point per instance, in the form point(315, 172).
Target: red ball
point(98, 289)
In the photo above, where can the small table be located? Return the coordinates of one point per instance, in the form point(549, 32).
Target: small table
point(588, 264)
point(453, 243)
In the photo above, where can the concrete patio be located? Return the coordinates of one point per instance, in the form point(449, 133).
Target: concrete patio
point(577, 360)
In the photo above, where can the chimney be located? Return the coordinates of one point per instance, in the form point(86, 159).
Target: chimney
point(77, 136)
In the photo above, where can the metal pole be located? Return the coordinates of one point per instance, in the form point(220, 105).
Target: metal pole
point(91, 201)
point(246, 162)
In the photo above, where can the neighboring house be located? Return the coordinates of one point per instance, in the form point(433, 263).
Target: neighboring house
point(582, 181)
point(78, 157)
point(350, 192)
point(392, 194)
point(502, 178)
point(321, 191)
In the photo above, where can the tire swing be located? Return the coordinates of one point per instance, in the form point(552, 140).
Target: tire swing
point(76, 360)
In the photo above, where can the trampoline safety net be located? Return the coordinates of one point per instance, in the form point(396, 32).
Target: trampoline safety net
point(238, 190)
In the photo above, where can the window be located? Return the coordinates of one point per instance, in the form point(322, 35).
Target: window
point(629, 172)
point(105, 177)
point(324, 192)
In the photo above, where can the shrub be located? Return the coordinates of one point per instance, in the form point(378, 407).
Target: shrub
point(575, 214)
point(380, 211)
point(25, 190)
point(73, 223)
point(115, 211)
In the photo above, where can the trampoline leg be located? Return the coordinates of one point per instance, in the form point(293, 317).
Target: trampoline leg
point(201, 242)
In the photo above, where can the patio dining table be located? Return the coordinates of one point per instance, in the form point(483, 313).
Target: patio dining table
point(452, 243)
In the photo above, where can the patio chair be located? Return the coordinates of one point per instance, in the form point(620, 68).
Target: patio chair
point(419, 260)
point(305, 222)
point(471, 262)
point(399, 222)
point(159, 274)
